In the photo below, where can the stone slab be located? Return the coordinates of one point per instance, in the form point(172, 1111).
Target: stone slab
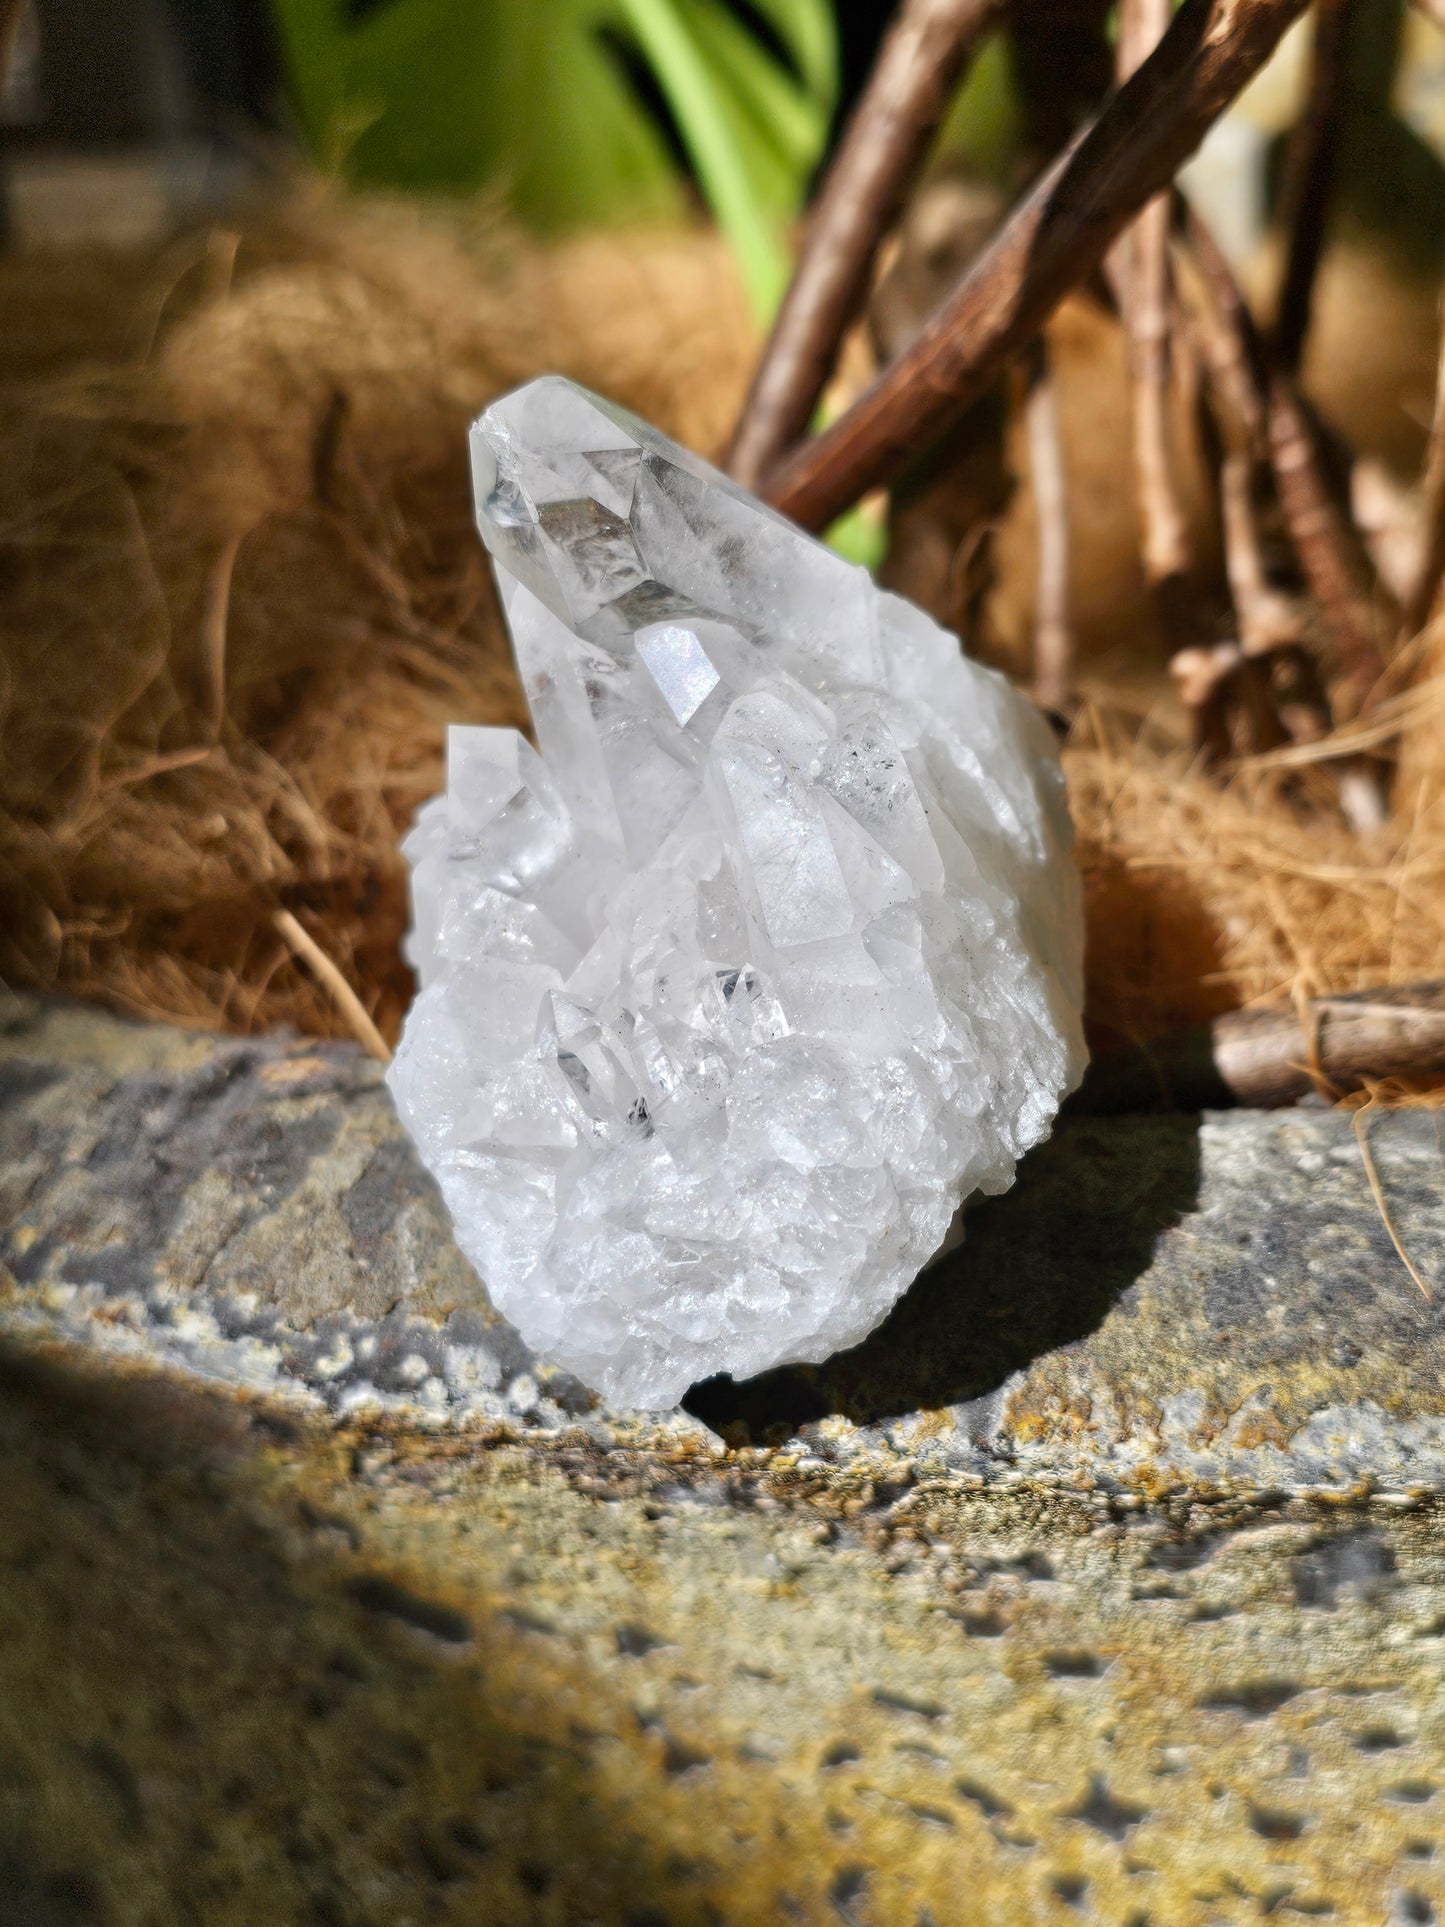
point(1205, 1304)
point(1071, 1596)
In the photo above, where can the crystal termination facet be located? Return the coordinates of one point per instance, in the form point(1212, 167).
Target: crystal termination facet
point(732, 995)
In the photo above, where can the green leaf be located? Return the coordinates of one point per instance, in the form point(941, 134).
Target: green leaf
point(779, 114)
point(740, 180)
point(530, 97)
point(859, 535)
point(982, 129)
point(808, 31)
point(466, 94)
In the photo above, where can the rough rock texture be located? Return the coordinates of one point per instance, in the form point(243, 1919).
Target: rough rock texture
point(1161, 1301)
point(1126, 1605)
point(771, 958)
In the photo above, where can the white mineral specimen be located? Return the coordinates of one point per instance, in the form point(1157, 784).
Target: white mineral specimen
point(769, 959)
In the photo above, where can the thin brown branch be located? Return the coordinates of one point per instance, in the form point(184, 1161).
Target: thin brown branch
point(1165, 528)
point(1203, 674)
point(1317, 527)
point(1141, 259)
point(1279, 1054)
point(1225, 341)
point(1053, 625)
point(1386, 513)
point(1055, 239)
point(1271, 623)
point(1425, 589)
point(1321, 537)
point(886, 143)
point(1377, 1192)
point(1216, 676)
point(305, 946)
point(1309, 182)
point(1268, 619)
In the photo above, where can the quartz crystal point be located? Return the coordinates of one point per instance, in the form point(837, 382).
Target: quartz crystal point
point(761, 963)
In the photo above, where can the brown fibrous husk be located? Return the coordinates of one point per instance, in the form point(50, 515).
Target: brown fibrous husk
point(243, 596)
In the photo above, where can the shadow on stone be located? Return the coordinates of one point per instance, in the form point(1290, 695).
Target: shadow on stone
point(1041, 1267)
point(208, 1707)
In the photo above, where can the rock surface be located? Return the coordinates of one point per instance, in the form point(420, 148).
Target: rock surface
point(1105, 1581)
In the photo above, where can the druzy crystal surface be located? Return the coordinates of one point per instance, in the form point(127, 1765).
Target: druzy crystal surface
point(768, 955)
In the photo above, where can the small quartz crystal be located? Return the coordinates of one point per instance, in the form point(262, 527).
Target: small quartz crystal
point(761, 963)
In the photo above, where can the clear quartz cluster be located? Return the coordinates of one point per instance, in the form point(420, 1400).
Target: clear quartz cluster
point(772, 956)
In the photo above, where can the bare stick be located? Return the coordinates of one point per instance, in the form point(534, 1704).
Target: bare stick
point(347, 1002)
point(1431, 570)
point(1272, 628)
point(1053, 628)
point(1268, 620)
point(1309, 182)
point(1282, 1053)
point(1377, 1192)
point(1316, 526)
point(1224, 337)
point(1055, 239)
point(1142, 257)
point(1321, 538)
point(886, 143)
point(1202, 675)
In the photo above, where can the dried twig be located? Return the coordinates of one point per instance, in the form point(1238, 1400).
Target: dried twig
point(1425, 589)
point(1053, 627)
point(1275, 1056)
point(886, 143)
point(1054, 240)
point(215, 613)
point(1143, 282)
point(1309, 180)
point(1268, 619)
point(1377, 1192)
point(1271, 623)
point(1322, 538)
point(1202, 675)
point(347, 1002)
point(1269, 403)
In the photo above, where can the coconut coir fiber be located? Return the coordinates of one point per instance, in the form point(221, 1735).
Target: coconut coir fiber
point(241, 597)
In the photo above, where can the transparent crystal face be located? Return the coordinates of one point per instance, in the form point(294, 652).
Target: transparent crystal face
point(761, 963)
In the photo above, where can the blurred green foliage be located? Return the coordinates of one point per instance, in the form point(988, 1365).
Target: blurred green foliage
point(536, 98)
point(982, 130)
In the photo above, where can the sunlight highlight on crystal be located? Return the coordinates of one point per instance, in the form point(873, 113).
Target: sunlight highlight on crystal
point(769, 959)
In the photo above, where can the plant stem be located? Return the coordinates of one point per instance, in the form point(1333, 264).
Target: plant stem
point(1317, 527)
point(1141, 261)
point(1310, 172)
point(1431, 570)
point(1053, 628)
point(1267, 619)
point(886, 143)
